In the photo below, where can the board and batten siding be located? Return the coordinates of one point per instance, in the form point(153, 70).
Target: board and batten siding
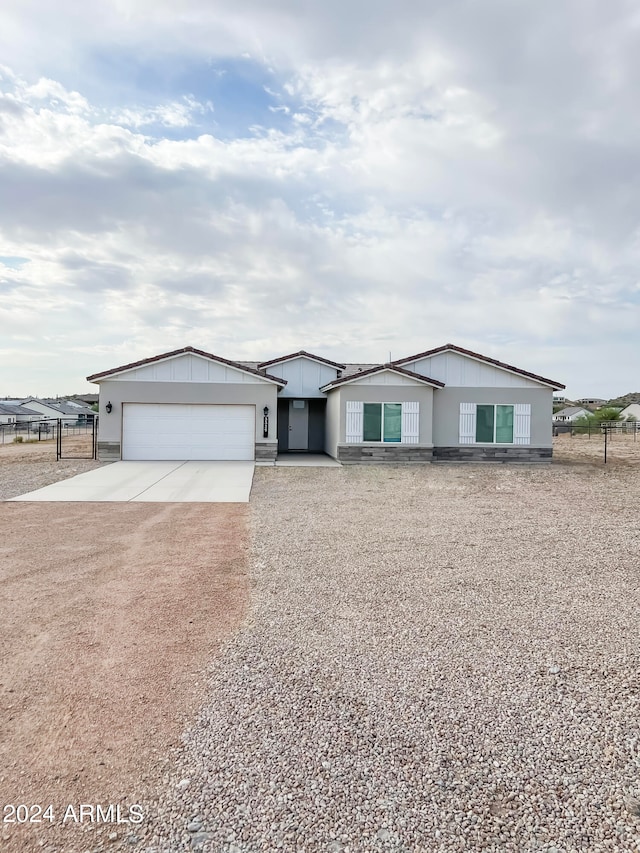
point(462, 371)
point(187, 368)
point(304, 377)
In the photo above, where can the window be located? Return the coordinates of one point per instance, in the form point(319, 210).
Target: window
point(385, 422)
point(495, 423)
point(382, 422)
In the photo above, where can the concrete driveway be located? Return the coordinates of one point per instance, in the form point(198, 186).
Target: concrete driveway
point(154, 482)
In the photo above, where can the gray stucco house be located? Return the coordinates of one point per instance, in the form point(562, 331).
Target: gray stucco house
point(447, 403)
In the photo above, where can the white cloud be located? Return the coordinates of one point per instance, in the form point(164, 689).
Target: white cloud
point(448, 171)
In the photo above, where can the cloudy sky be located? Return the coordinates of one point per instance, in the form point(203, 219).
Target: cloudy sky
point(254, 177)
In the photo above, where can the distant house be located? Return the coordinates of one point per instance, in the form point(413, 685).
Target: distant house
point(10, 413)
point(89, 399)
point(632, 410)
point(570, 414)
point(591, 403)
point(65, 409)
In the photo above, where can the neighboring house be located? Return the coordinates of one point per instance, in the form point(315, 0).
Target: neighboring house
point(89, 399)
point(68, 410)
point(591, 403)
point(571, 414)
point(446, 403)
point(631, 411)
point(14, 413)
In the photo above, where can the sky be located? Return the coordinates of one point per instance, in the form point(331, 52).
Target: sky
point(256, 177)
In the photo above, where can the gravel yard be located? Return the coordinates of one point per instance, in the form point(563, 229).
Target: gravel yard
point(25, 467)
point(437, 658)
point(109, 615)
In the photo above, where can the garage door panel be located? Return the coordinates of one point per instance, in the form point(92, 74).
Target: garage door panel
point(169, 431)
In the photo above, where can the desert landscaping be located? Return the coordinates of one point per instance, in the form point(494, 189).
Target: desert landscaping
point(439, 657)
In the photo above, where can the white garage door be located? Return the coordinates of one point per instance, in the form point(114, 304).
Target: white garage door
point(172, 431)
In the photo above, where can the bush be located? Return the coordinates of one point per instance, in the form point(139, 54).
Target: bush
point(18, 439)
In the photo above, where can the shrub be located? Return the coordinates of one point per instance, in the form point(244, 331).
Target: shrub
point(18, 439)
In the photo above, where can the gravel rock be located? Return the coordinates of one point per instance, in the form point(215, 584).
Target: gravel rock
point(33, 466)
point(391, 687)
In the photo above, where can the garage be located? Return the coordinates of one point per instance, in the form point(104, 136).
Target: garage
point(174, 431)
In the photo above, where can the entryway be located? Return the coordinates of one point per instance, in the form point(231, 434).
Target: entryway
point(301, 425)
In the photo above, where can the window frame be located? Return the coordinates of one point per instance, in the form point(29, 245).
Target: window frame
point(495, 423)
point(382, 438)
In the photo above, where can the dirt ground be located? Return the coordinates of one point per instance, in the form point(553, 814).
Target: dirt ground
point(71, 444)
point(583, 450)
point(109, 615)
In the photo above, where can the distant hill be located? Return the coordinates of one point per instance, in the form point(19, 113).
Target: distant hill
point(627, 399)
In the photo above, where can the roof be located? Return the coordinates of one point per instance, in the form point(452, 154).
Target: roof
point(84, 398)
point(632, 406)
point(380, 368)
point(350, 369)
point(570, 410)
point(10, 409)
point(301, 354)
point(66, 407)
point(183, 351)
point(479, 357)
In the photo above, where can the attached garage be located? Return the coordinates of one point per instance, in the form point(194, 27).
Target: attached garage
point(158, 431)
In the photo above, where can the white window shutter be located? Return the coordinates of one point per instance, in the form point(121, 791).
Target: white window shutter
point(522, 423)
point(354, 429)
point(410, 423)
point(467, 433)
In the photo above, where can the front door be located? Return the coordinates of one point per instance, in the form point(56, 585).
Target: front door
point(298, 425)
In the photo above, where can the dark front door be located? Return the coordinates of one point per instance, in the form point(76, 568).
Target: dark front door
point(298, 425)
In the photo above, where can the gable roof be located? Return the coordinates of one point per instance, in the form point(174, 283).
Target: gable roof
point(571, 410)
point(301, 354)
point(479, 357)
point(631, 408)
point(184, 351)
point(66, 407)
point(380, 368)
point(60, 406)
point(9, 409)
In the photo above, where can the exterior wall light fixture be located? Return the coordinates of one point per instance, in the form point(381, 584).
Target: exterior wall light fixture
point(108, 408)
